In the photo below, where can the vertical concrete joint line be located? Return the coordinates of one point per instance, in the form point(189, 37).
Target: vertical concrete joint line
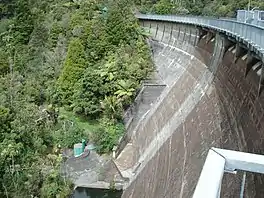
point(201, 34)
point(261, 79)
point(222, 47)
point(157, 28)
point(214, 57)
point(238, 53)
point(248, 63)
point(196, 34)
point(190, 35)
point(171, 32)
point(184, 161)
point(184, 34)
point(179, 32)
point(163, 32)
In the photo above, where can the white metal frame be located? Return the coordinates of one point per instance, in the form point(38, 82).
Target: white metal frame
point(218, 162)
point(259, 13)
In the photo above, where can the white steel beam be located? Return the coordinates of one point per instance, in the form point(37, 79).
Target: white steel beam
point(219, 161)
point(236, 160)
point(209, 183)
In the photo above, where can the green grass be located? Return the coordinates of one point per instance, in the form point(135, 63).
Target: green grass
point(88, 126)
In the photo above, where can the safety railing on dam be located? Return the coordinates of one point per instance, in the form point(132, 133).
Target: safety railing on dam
point(250, 34)
point(218, 162)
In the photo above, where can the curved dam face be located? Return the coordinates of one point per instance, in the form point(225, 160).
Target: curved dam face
point(211, 100)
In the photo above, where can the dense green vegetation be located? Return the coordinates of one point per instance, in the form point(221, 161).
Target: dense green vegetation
point(217, 8)
point(68, 70)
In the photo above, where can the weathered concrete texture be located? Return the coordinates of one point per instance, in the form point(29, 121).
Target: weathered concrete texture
point(92, 171)
point(145, 99)
point(208, 103)
point(143, 102)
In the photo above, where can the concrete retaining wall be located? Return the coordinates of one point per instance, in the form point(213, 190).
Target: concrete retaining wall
point(146, 97)
point(208, 102)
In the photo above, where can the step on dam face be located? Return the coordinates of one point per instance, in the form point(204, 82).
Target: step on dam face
point(208, 102)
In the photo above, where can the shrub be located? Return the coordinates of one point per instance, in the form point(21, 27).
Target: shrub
point(107, 135)
point(68, 135)
point(55, 186)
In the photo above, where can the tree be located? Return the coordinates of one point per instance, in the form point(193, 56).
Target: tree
point(5, 121)
point(163, 7)
point(89, 92)
point(112, 107)
point(23, 23)
point(6, 8)
point(125, 91)
point(4, 63)
point(72, 71)
point(121, 24)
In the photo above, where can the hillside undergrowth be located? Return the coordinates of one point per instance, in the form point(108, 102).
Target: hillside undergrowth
point(68, 70)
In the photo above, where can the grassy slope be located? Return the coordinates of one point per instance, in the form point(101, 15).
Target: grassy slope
point(88, 126)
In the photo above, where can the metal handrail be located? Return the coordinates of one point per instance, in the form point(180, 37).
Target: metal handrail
point(251, 34)
point(218, 162)
point(157, 17)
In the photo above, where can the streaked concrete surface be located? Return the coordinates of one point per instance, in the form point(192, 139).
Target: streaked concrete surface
point(208, 103)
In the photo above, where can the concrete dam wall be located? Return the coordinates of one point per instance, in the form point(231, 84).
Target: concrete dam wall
point(211, 100)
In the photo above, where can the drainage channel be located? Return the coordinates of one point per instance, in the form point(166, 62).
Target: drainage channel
point(81, 192)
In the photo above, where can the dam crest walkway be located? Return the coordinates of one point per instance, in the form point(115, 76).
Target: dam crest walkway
point(252, 36)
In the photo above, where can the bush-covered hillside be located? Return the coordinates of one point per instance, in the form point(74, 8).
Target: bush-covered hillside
point(218, 8)
point(68, 69)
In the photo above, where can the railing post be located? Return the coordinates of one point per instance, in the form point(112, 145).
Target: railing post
point(210, 180)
